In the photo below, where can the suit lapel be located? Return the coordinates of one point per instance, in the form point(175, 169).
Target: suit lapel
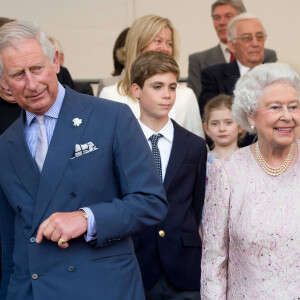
point(216, 56)
point(60, 151)
point(21, 157)
point(178, 153)
point(231, 75)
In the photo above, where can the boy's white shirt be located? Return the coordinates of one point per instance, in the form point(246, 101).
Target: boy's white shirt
point(164, 143)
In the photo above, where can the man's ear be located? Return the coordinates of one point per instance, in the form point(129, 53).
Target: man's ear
point(135, 90)
point(3, 83)
point(56, 62)
point(231, 46)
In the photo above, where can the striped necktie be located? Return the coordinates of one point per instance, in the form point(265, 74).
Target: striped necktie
point(42, 143)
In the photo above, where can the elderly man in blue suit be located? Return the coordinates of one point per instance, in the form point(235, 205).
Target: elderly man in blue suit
point(77, 180)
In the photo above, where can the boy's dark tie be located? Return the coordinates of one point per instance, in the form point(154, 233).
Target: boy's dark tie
point(155, 151)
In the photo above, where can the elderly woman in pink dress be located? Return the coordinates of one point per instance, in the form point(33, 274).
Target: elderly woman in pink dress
point(251, 226)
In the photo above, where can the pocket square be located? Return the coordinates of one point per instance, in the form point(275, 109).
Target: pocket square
point(81, 149)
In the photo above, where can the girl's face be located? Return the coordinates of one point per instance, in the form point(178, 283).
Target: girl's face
point(163, 42)
point(221, 127)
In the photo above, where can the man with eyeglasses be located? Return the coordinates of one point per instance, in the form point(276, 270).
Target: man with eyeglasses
point(246, 40)
point(222, 11)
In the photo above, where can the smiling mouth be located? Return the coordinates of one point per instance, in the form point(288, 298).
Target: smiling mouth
point(284, 129)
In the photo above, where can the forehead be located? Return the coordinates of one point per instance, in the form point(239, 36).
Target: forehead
point(220, 114)
point(278, 92)
point(21, 53)
point(165, 32)
point(166, 78)
point(225, 9)
point(248, 26)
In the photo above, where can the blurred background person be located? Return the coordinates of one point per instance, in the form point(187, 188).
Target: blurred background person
point(222, 11)
point(64, 76)
point(119, 62)
point(221, 129)
point(155, 33)
point(251, 226)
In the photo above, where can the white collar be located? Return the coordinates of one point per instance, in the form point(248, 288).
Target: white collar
point(243, 69)
point(167, 131)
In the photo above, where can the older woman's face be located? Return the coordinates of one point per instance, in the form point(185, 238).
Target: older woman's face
point(277, 119)
point(163, 42)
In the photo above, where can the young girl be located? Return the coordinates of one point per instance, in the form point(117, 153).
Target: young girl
point(221, 128)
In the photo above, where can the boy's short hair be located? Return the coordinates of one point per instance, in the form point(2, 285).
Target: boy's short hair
point(151, 63)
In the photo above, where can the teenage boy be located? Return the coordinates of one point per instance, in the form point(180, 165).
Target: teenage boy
point(169, 254)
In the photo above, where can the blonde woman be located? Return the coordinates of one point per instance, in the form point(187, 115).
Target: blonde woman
point(158, 34)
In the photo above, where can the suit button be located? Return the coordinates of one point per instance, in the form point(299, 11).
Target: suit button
point(73, 195)
point(32, 240)
point(19, 208)
point(71, 268)
point(161, 233)
point(35, 276)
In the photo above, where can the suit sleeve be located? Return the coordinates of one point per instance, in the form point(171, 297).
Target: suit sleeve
point(215, 234)
point(7, 242)
point(210, 88)
point(143, 202)
point(199, 192)
point(194, 75)
point(270, 56)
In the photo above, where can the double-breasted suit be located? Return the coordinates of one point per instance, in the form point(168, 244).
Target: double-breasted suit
point(174, 246)
point(118, 182)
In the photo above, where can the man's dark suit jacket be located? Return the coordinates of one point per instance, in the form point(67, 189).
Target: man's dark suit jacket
point(220, 79)
point(178, 253)
point(213, 56)
point(118, 182)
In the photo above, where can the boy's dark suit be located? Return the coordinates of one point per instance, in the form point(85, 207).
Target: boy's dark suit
point(178, 252)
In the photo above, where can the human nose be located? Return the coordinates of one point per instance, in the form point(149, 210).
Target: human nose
point(166, 93)
point(221, 127)
point(286, 114)
point(31, 83)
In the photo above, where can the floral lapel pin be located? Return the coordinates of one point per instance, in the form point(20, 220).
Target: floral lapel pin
point(77, 122)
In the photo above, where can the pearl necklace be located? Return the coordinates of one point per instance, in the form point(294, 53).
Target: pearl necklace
point(271, 170)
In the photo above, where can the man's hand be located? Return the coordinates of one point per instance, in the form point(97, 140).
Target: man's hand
point(64, 226)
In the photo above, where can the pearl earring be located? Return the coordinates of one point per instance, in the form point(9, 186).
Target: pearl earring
point(252, 127)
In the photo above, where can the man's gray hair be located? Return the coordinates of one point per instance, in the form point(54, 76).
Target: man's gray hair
point(231, 27)
point(237, 4)
point(251, 86)
point(23, 30)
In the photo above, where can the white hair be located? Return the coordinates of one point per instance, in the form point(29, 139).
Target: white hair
point(23, 30)
point(250, 88)
point(231, 27)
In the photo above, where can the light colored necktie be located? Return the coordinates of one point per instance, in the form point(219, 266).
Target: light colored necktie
point(155, 151)
point(42, 143)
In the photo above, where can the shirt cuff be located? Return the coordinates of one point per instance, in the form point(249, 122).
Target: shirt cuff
point(91, 233)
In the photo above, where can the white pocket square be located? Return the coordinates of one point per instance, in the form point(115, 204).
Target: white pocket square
point(81, 149)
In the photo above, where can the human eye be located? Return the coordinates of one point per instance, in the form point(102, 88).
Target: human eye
point(156, 86)
point(275, 107)
point(246, 37)
point(213, 123)
point(157, 40)
point(36, 69)
point(229, 16)
point(229, 122)
point(216, 17)
point(18, 75)
point(260, 36)
point(293, 106)
point(170, 44)
point(173, 87)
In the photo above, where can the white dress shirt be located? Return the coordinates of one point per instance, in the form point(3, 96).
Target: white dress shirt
point(225, 51)
point(243, 69)
point(164, 143)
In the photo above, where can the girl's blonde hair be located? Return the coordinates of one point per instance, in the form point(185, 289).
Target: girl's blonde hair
point(142, 32)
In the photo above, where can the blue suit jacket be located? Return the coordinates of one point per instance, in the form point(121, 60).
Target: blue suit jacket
point(119, 182)
point(178, 253)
